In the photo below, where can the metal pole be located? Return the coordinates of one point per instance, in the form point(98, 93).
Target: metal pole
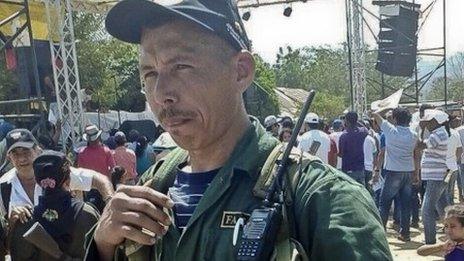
point(416, 82)
point(348, 41)
point(77, 83)
point(445, 74)
point(382, 77)
point(34, 58)
point(416, 76)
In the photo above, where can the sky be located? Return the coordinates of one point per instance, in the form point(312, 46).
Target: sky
point(323, 22)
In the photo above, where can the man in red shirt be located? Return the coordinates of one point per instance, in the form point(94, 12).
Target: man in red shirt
point(95, 155)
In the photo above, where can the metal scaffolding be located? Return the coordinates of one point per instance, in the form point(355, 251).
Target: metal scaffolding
point(356, 54)
point(259, 3)
point(418, 83)
point(24, 36)
point(65, 70)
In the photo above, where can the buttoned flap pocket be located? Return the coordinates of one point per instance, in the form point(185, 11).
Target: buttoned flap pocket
point(219, 245)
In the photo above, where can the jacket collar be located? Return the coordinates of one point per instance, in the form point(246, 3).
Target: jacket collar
point(253, 148)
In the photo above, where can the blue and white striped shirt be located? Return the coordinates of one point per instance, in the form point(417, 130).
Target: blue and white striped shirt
point(186, 193)
point(433, 165)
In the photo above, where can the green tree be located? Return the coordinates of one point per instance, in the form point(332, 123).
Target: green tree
point(260, 98)
point(455, 81)
point(328, 105)
point(291, 67)
point(108, 67)
point(455, 89)
point(322, 69)
point(325, 69)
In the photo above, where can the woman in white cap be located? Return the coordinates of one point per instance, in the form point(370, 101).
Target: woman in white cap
point(433, 169)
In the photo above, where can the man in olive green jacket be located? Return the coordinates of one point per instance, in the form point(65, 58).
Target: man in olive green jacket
point(196, 65)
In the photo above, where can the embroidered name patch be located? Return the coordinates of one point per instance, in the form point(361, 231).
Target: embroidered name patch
point(229, 218)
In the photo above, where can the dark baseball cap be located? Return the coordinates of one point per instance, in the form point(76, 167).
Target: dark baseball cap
point(20, 138)
point(127, 18)
point(49, 166)
point(337, 124)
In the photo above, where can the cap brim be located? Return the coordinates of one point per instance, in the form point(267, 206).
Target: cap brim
point(426, 118)
point(127, 18)
point(21, 144)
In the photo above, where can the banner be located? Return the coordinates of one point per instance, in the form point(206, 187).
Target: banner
point(391, 102)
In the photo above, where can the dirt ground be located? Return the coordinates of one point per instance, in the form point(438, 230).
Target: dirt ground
point(404, 251)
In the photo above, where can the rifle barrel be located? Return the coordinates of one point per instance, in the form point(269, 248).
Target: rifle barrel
point(283, 163)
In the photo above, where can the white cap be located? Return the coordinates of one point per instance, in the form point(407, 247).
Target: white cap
point(439, 116)
point(311, 118)
point(270, 120)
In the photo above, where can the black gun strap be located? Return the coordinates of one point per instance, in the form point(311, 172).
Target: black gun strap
point(5, 189)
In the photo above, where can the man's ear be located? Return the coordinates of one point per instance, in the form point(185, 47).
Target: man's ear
point(245, 66)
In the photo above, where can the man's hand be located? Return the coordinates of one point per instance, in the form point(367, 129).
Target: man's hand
point(416, 178)
point(21, 213)
point(421, 146)
point(375, 177)
point(131, 209)
point(378, 117)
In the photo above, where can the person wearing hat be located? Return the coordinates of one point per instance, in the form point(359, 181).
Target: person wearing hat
point(19, 191)
point(196, 65)
point(325, 148)
point(65, 218)
point(95, 155)
point(271, 125)
point(433, 168)
point(287, 122)
point(125, 157)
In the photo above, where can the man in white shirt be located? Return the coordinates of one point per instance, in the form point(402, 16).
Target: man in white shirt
point(456, 125)
point(317, 142)
point(370, 155)
point(337, 127)
point(18, 189)
point(454, 148)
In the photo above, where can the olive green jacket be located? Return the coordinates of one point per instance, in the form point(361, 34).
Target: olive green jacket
point(335, 217)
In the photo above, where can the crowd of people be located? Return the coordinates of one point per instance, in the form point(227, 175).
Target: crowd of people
point(191, 202)
point(49, 200)
point(413, 165)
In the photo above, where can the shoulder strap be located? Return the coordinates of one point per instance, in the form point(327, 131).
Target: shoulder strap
point(285, 247)
point(5, 189)
point(159, 177)
point(164, 175)
point(298, 162)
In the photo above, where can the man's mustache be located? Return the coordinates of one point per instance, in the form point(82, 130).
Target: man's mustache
point(173, 112)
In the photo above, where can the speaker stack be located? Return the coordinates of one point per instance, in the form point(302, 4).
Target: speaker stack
point(397, 37)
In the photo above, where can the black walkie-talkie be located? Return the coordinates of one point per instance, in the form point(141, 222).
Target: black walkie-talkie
point(260, 232)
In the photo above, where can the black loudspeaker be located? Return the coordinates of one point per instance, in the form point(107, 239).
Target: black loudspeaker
point(25, 69)
point(397, 40)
